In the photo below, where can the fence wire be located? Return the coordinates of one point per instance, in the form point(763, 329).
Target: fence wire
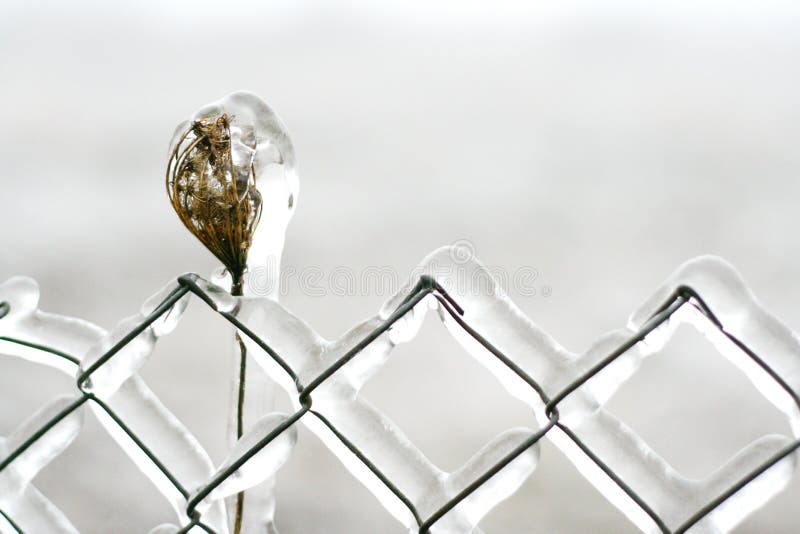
point(683, 295)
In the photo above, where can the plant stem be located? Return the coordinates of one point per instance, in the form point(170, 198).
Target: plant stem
point(236, 290)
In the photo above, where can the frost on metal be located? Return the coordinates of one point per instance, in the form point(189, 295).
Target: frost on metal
point(566, 392)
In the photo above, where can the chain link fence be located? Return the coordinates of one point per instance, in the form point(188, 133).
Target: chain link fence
point(427, 286)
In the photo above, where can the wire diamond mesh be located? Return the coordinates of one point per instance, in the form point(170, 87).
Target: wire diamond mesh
point(57, 425)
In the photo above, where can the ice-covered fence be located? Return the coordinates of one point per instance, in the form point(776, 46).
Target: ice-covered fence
point(566, 391)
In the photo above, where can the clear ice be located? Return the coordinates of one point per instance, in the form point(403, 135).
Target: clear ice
point(105, 364)
point(260, 144)
point(336, 403)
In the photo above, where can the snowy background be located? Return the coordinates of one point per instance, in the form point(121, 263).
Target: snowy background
point(602, 147)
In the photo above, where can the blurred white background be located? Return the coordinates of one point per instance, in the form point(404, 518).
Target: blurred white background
point(602, 147)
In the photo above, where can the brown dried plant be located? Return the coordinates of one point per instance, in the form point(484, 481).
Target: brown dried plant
point(219, 208)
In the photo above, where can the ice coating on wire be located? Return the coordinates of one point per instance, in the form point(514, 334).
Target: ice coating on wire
point(26, 330)
point(669, 495)
point(17, 495)
point(260, 466)
point(324, 379)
